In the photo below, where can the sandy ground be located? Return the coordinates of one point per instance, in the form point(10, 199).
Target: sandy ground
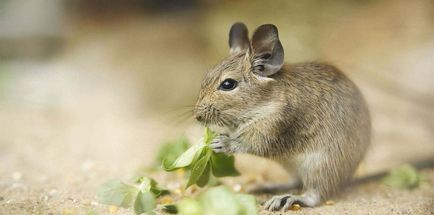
point(72, 122)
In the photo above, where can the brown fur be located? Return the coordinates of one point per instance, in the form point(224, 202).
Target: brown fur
point(307, 114)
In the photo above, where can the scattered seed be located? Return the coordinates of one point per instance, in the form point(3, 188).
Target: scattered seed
point(192, 190)
point(69, 211)
point(178, 191)
point(251, 179)
point(295, 207)
point(113, 209)
point(330, 202)
point(86, 202)
point(180, 173)
point(166, 200)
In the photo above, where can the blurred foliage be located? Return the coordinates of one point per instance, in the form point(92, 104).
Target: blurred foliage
point(139, 195)
point(218, 200)
point(171, 150)
point(405, 176)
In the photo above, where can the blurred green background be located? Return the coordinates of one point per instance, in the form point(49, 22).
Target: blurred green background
point(89, 88)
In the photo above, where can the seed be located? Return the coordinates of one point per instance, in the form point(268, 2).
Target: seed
point(330, 202)
point(113, 209)
point(166, 200)
point(295, 207)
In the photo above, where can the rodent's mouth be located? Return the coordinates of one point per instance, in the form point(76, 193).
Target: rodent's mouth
point(210, 116)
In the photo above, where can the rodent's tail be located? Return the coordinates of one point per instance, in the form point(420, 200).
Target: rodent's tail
point(420, 164)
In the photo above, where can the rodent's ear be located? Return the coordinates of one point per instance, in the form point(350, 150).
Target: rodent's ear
point(238, 38)
point(267, 51)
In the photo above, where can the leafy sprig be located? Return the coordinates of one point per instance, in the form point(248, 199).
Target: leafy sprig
point(405, 176)
point(140, 195)
point(203, 162)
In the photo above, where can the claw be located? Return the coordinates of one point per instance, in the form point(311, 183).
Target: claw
point(218, 144)
point(275, 202)
point(289, 202)
point(284, 202)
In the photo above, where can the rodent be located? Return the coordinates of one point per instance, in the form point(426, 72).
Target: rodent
point(307, 115)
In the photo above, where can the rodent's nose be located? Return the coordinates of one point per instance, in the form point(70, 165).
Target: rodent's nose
point(199, 118)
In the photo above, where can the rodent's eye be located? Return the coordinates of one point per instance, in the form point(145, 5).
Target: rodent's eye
point(228, 84)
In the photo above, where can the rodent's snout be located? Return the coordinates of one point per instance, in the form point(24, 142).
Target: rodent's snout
point(202, 112)
point(199, 118)
point(198, 114)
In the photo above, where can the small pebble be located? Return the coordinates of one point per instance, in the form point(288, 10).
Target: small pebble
point(237, 187)
point(73, 200)
point(52, 192)
point(43, 197)
point(2, 198)
point(17, 176)
point(87, 165)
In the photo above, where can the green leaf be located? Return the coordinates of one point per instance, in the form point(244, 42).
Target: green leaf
point(170, 209)
point(170, 151)
point(213, 181)
point(248, 203)
point(220, 200)
point(405, 176)
point(199, 168)
point(203, 180)
point(140, 196)
point(145, 203)
point(115, 192)
point(149, 184)
point(202, 161)
point(189, 206)
point(223, 165)
point(209, 136)
point(92, 211)
point(185, 159)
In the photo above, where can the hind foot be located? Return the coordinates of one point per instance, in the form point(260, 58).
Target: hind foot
point(284, 202)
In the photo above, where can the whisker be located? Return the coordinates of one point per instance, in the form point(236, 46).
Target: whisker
point(182, 120)
point(180, 115)
point(181, 108)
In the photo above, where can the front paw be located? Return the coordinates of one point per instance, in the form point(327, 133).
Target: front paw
point(221, 144)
